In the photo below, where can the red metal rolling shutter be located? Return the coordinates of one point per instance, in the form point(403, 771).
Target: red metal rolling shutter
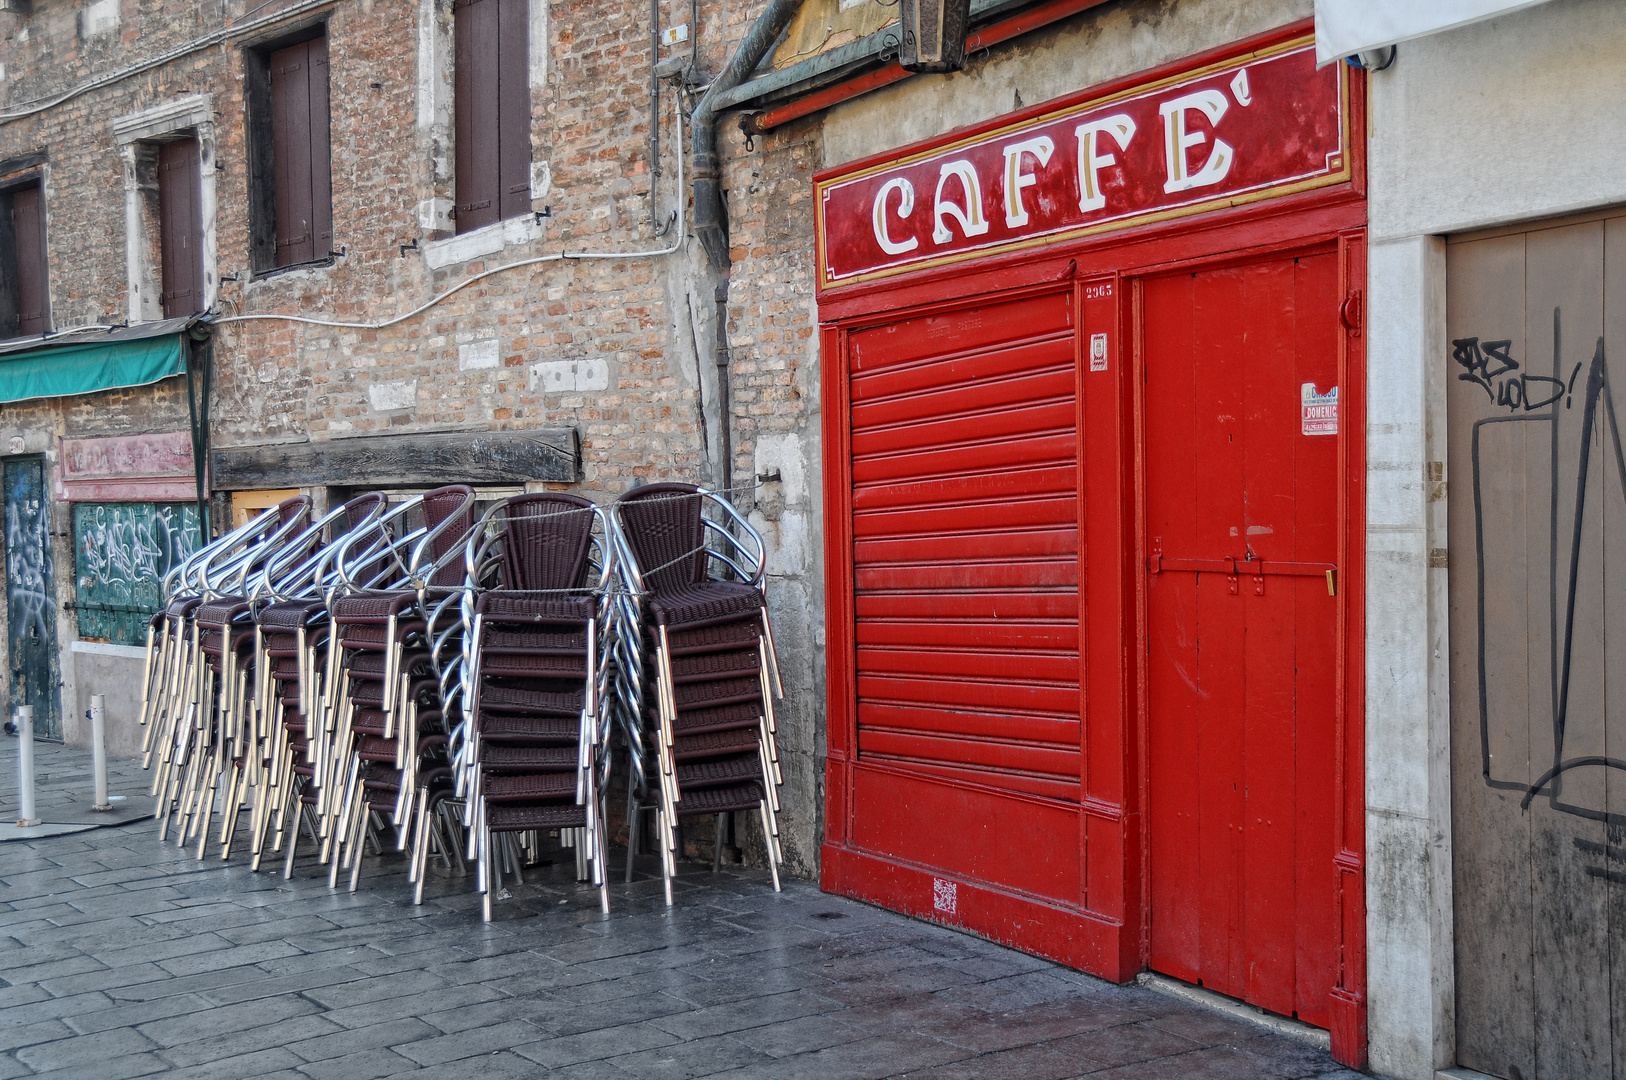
point(300, 152)
point(33, 296)
point(965, 550)
point(180, 228)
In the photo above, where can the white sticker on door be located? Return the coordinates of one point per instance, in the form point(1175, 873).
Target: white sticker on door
point(1098, 352)
point(1320, 416)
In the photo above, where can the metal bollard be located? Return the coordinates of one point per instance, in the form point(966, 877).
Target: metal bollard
point(98, 748)
point(25, 767)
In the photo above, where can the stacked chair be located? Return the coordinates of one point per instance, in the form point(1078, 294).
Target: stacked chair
point(706, 644)
point(394, 656)
point(198, 705)
point(533, 754)
point(403, 672)
point(291, 661)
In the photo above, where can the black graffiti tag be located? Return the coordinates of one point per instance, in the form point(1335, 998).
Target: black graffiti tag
point(1489, 365)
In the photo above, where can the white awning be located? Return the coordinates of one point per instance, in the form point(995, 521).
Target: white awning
point(1345, 27)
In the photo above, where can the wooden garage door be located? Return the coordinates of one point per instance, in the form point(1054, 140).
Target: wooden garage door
point(1537, 482)
point(965, 550)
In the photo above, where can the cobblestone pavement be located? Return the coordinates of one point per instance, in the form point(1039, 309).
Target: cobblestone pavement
point(122, 957)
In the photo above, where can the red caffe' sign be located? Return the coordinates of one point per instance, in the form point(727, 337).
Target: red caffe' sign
point(1264, 124)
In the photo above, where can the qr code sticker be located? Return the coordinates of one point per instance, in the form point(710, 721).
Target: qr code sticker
point(945, 896)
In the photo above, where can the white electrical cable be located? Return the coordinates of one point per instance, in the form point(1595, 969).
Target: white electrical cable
point(561, 256)
point(214, 37)
point(45, 339)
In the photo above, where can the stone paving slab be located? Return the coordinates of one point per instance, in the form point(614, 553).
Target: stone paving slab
point(65, 792)
point(121, 956)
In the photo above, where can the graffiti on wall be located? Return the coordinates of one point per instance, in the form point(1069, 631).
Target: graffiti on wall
point(27, 574)
point(1541, 558)
point(122, 552)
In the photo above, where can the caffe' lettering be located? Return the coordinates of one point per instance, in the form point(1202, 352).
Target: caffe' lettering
point(1254, 127)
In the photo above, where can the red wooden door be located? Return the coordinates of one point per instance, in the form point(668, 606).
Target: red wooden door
point(964, 520)
point(1242, 483)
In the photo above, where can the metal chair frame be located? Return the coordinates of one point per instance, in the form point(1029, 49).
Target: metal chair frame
point(485, 556)
point(729, 539)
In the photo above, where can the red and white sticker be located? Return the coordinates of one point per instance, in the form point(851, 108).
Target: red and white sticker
point(1320, 415)
point(1098, 352)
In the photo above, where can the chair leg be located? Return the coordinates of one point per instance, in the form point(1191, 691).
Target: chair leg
point(488, 869)
point(601, 852)
point(452, 841)
point(666, 855)
point(361, 848)
point(767, 836)
point(516, 857)
point(632, 826)
point(293, 839)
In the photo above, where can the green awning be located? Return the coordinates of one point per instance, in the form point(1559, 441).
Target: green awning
point(105, 361)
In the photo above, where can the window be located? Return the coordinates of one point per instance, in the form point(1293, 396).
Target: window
point(122, 552)
point(25, 300)
point(180, 228)
point(292, 182)
point(168, 154)
point(492, 106)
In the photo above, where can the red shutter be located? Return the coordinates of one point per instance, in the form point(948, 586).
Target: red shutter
point(514, 108)
point(320, 150)
point(477, 30)
point(28, 224)
point(180, 228)
point(291, 154)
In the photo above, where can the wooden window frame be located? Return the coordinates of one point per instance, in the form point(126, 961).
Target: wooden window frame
point(140, 137)
point(261, 139)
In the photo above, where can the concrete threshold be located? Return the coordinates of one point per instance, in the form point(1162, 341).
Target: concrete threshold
point(1459, 1073)
point(1208, 999)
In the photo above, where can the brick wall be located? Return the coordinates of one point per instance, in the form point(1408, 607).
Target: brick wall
point(649, 322)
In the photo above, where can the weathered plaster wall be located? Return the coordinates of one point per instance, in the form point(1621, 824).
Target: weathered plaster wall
point(1103, 44)
point(1513, 119)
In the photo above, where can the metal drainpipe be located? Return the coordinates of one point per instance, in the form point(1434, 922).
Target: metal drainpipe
point(199, 375)
point(710, 223)
point(726, 429)
point(654, 110)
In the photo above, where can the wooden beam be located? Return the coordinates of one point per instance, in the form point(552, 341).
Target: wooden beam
point(552, 454)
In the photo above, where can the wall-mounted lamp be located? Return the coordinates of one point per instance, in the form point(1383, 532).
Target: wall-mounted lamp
point(933, 34)
point(1372, 59)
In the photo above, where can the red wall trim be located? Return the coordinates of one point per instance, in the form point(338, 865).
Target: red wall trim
point(990, 35)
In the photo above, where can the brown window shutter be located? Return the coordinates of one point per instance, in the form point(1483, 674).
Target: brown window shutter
point(476, 31)
point(180, 228)
point(28, 228)
point(514, 108)
point(321, 151)
point(291, 154)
